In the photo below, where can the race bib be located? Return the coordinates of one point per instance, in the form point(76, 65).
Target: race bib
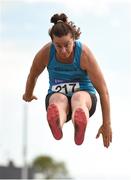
point(66, 88)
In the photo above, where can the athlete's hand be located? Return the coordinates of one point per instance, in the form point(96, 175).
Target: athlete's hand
point(106, 132)
point(28, 99)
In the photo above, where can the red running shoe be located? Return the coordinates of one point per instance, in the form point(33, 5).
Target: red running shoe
point(80, 123)
point(53, 121)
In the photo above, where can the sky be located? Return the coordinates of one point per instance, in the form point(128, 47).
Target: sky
point(105, 27)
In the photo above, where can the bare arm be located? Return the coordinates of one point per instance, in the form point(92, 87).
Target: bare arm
point(39, 63)
point(88, 63)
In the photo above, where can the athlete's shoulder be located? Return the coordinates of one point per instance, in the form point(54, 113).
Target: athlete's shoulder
point(84, 48)
point(84, 51)
point(44, 52)
point(45, 49)
point(85, 55)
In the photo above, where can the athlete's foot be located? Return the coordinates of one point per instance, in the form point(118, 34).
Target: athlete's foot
point(80, 122)
point(53, 120)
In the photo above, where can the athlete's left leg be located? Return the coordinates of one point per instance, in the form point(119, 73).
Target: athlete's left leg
point(81, 103)
point(57, 110)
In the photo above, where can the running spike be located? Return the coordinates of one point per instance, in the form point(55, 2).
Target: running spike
point(53, 121)
point(80, 122)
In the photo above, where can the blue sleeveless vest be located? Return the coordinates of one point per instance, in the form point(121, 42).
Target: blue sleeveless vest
point(68, 78)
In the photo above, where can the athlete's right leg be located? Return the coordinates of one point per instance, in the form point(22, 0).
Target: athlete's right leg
point(81, 103)
point(57, 113)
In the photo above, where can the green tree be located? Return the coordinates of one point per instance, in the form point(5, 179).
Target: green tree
point(50, 168)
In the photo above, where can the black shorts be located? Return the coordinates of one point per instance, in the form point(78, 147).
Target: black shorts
point(91, 112)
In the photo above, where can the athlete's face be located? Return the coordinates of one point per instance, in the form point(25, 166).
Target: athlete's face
point(63, 45)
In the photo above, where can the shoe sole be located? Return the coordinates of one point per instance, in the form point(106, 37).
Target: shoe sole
point(80, 123)
point(53, 121)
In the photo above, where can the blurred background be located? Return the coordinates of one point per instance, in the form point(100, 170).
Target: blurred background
point(25, 138)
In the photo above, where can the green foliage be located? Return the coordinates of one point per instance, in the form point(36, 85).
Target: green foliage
point(49, 167)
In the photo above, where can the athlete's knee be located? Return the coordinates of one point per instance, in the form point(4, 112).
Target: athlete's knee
point(76, 96)
point(58, 97)
point(81, 98)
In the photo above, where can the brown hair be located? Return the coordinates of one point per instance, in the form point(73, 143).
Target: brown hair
point(62, 27)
